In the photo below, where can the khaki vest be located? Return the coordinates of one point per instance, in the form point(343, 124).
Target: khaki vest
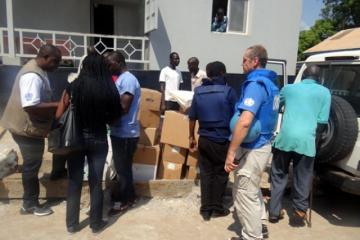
point(16, 119)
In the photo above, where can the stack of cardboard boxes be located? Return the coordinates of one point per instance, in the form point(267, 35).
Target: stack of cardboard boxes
point(176, 162)
point(146, 157)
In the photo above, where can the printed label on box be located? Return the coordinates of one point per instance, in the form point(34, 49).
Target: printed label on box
point(171, 166)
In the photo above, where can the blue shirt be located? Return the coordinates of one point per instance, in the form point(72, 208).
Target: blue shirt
point(306, 104)
point(128, 125)
point(213, 110)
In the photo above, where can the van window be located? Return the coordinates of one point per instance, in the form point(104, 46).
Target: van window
point(343, 81)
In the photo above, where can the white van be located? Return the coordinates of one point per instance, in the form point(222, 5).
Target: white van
point(339, 154)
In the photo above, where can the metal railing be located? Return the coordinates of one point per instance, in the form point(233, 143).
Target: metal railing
point(74, 45)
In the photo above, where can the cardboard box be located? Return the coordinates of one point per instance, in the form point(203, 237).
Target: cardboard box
point(150, 99)
point(174, 154)
point(192, 173)
point(175, 129)
point(169, 170)
point(192, 159)
point(144, 172)
point(147, 155)
point(149, 118)
point(149, 136)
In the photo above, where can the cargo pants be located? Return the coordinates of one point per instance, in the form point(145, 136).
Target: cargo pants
point(247, 195)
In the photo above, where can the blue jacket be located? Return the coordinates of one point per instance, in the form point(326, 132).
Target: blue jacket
point(213, 105)
point(268, 112)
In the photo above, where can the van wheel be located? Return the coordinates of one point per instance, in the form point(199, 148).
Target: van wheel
point(340, 136)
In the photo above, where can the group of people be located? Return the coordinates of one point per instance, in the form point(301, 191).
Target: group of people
point(104, 94)
point(235, 133)
point(236, 136)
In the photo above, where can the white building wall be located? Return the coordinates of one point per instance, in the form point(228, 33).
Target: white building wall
point(184, 27)
point(61, 15)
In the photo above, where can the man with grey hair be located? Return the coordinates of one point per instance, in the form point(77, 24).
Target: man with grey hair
point(307, 107)
point(252, 128)
point(197, 75)
point(28, 116)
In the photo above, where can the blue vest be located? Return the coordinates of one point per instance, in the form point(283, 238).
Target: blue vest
point(268, 112)
point(211, 100)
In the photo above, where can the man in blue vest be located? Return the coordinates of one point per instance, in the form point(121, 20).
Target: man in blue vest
point(250, 148)
point(213, 106)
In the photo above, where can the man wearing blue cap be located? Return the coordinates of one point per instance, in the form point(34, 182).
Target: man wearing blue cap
point(250, 148)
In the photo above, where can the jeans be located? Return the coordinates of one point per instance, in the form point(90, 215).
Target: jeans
point(96, 150)
point(32, 150)
point(123, 152)
point(213, 178)
point(303, 167)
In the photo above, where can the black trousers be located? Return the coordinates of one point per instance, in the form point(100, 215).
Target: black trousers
point(58, 163)
point(170, 105)
point(213, 178)
point(95, 152)
point(123, 153)
point(303, 167)
point(32, 150)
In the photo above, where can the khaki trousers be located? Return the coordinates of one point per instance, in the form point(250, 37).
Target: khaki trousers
point(247, 196)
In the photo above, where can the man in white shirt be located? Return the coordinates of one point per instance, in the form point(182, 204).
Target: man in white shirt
point(170, 80)
point(197, 75)
point(28, 116)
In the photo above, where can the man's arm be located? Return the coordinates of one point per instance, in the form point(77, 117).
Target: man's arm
point(126, 100)
point(42, 110)
point(241, 130)
point(192, 141)
point(162, 90)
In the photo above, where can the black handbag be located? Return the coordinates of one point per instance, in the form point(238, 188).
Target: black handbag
point(67, 137)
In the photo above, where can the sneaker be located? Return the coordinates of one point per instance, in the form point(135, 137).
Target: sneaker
point(38, 211)
point(298, 218)
point(99, 227)
point(275, 219)
point(265, 231)
point(206, 215)
point(222, 213)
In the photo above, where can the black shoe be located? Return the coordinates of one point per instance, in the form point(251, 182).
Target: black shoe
point(38, 211)
point(265, 231)
point(222, 213)
point(99, 227)
point(298, 218)
point(206, 216)
point(73, 229)
point(57, 175)
point(275, 219)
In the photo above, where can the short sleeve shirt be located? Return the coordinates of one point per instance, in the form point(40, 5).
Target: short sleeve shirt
point(128, 125)
point(31, 86)
point(196, 80)
point(172, 79)
point(306, 104)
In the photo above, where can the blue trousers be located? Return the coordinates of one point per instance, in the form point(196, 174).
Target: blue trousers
point(303, 168)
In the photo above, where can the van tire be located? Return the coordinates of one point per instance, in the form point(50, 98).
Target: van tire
point(341, 134)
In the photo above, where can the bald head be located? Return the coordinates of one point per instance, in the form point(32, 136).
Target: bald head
point(48, 50)
point(193, 65)
point(312, 72)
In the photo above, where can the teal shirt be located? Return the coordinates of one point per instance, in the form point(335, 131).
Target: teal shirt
point(306, 104)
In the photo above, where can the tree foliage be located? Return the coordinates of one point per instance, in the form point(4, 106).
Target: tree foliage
point(343, 13)
point(309, 38)
point(336, 15)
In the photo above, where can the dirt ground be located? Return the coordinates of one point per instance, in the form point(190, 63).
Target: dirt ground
point(336, 216)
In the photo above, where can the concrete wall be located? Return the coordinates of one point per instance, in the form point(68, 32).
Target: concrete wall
point(129, 18)
point(184, 27)
point(64, 15)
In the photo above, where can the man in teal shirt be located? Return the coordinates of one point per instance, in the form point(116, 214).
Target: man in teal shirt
point(307, 107)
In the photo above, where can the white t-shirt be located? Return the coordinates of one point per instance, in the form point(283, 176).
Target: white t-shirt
point(172, 79)
point(31, 86)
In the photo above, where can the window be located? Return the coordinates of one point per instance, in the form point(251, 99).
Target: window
point(229, 16)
